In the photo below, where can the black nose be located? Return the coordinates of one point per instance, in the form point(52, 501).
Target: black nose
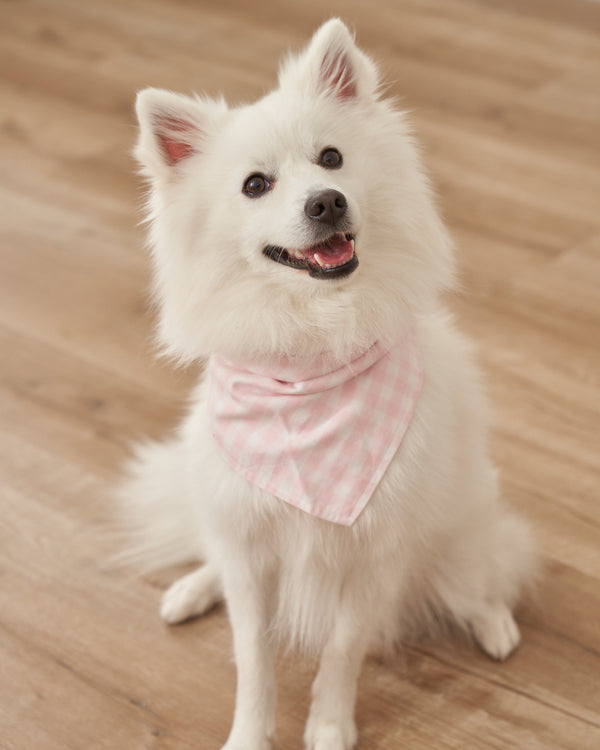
point(328, 207)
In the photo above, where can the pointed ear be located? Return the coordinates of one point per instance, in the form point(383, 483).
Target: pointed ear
point(173, 128)
point(332, 66)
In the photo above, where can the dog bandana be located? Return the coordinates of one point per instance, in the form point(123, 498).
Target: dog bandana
point(318, 437)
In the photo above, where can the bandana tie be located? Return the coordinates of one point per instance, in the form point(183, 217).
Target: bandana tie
point(319, 437)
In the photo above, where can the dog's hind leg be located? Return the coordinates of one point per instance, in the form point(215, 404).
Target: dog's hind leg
point(192, 595)
point(487, 618)
point(481, 576)
point(495, 631)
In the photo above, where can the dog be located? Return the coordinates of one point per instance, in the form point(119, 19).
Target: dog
point(333, 471)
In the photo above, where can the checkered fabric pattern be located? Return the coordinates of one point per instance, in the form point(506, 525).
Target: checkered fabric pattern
point(318, 438)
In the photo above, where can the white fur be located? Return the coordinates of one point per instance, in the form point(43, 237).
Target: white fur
point(434, 541)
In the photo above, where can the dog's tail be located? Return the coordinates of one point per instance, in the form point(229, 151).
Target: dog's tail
point(157, 525)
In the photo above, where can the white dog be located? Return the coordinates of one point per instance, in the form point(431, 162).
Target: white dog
point(333, 470)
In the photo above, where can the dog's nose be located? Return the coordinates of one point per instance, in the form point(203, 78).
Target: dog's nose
point(327, 206)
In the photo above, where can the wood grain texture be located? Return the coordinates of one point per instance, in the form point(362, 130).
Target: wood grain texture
point(505, 96)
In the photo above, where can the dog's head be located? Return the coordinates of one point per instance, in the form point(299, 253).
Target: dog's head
point(298, 224)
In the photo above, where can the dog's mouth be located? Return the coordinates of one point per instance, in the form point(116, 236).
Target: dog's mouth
point(333, 258)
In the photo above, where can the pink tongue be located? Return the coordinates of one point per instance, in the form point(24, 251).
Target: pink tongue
point(336, 252)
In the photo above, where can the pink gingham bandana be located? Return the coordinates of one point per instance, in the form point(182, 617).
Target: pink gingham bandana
point(318, 438)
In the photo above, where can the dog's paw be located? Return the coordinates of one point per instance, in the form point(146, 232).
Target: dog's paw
point(191, 596)
point(322, 736)
point(266, 745)
point(496, 633)
point(245, 744)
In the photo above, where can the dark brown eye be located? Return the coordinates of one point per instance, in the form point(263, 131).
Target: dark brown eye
point(256, 185)
point(330, 158)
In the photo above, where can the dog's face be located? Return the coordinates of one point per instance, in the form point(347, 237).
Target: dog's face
point(297, 224)
point(298, 195)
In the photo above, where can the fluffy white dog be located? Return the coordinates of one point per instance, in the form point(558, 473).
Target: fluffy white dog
point(333, 470)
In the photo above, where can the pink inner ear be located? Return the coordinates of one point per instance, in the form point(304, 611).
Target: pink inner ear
point(174, 151)
point(175, 137)
point(337, 76)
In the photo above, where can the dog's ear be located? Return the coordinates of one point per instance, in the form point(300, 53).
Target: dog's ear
point(332, 66)
point(173, 128)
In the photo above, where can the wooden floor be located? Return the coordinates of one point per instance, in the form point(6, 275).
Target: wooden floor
point(506, 97)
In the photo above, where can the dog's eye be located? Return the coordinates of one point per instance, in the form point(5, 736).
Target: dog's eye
point(330, 158)
point(256, 185)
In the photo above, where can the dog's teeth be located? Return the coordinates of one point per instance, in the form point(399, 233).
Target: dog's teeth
point(320, 260)
point(298, 254)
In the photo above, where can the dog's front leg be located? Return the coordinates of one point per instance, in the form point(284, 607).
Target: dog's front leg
point(248, 599)
point(330, 723)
